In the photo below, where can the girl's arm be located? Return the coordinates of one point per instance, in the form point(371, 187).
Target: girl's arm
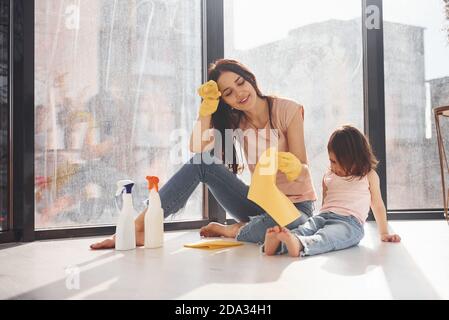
point(324, 192)
point(295, 137)
point(379, 210)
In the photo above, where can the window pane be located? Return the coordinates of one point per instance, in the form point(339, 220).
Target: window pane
point(308, 51)
point(416, 80)
point(114, 80)
point(4, 114)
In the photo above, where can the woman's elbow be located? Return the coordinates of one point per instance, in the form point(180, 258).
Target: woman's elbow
point(196, 150)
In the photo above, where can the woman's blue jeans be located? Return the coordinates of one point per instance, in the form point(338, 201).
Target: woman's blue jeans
point(229, 191)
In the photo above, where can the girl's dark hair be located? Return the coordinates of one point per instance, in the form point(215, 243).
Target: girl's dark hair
point(225, 117)
point(352, 151)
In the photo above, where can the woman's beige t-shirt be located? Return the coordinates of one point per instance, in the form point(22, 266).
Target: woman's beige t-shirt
point(255, 142)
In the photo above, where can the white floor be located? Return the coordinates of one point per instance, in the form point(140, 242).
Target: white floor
point(418, 268)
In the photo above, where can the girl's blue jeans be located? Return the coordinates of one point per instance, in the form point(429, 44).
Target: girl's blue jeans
point(229, 191)
point(327, 232)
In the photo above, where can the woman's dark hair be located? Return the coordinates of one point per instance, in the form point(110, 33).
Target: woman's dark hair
point(352, 151)
point(226, 117)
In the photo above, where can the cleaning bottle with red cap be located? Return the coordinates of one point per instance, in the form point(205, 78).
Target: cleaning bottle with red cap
point(154, 217)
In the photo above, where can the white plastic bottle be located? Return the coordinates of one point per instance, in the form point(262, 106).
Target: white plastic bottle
point(125, 234)
point(154, 217)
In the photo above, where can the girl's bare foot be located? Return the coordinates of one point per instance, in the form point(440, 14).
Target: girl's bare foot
point(271, 241)
point(215, 229)
point(292, 243)
point(110, 243)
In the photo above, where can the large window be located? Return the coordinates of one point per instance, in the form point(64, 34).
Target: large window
point(115, 94)
point(308, 51)
point(113, 80)
point(4, 115)
point(416, 81)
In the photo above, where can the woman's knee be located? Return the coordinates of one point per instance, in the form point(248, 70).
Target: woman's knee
point(203, 158)
point(203, 162)
point(306, 207)
point(299, 221)
point(255, 230)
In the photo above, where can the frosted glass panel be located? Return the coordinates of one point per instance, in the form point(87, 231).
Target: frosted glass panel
point(113, 79)
point(416, 81)
point(309, 51)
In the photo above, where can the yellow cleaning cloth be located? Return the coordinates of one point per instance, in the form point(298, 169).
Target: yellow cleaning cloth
point(264, 192)
point(213, 244)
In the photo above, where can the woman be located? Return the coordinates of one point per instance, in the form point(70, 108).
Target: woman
point(237, 104)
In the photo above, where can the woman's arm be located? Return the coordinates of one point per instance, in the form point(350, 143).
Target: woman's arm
point(202, 138)
point(295, 137)
point(378, 208)
point(197, 143)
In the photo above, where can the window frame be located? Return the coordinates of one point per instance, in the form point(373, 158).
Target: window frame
point(22, 126)
point(213, 49)
point(7, 234)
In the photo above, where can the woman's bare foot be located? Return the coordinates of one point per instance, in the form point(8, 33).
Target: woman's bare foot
point(292, 243)
point(110, 243)
point(215, 229)
point(105, 244)
point(271, 241)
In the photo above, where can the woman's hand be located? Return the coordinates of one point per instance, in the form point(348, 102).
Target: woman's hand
point(211, 98)
point(385, 237)
point(289, 164)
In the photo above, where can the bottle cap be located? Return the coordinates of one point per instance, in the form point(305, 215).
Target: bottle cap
point(153, 182)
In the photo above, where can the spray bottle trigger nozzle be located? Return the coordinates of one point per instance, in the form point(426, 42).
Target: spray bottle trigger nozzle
point(124, 185)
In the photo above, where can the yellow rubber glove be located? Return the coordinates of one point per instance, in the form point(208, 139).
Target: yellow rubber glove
point(290, 165)
point(211, 98)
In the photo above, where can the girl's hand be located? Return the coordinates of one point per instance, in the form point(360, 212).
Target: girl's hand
point(390, 237)
point(290, 165)
point(211, 98)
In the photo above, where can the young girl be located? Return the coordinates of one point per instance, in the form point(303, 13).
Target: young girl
point(349, 189)
point(233, 100)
